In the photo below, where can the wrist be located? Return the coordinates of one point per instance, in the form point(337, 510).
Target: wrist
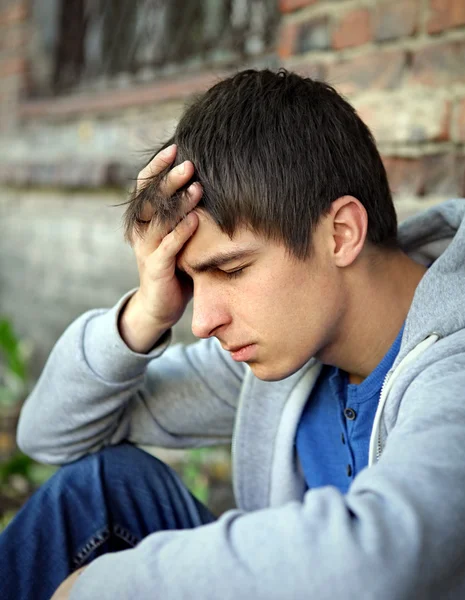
point(137, 328)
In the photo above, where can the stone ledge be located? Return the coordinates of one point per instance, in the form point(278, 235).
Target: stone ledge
point(69, 174)
point(111, 100)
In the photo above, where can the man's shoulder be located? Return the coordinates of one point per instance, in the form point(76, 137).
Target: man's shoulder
point(440, 367)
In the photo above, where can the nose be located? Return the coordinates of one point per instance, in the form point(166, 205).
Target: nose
point(209, 312)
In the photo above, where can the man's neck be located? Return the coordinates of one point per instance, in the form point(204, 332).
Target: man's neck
point(380, 296)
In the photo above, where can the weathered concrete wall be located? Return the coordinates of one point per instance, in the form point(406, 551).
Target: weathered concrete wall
point(60, 255)
point(61, 250)
point(401, 62)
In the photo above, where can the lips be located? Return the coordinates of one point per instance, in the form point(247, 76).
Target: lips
point(235, 348)
point(243, 353)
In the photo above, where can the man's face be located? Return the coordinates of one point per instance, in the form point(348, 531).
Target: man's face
point(277, 310)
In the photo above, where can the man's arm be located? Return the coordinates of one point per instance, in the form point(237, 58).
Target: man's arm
point(398, 533)
point(109, 378)
point(95, 391)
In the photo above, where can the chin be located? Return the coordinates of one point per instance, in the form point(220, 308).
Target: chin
point(267, 372)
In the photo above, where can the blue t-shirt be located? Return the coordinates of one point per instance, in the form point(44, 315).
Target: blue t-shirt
point(334, 431)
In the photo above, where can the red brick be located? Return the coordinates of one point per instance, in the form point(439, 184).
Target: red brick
point(445, 14)
point(461, 120)
point(443, 175)
point(437, 174)
point(12, 66)
point(354, 29)
point(13, 39)
point(290, 5)
point(287, 39)
point(400, 117)
point(405, 175)
point(396, 19)
point(378, 71)
point(314, 70)
point(439, 65)
point(14, 13)
point(444, 132)
point(461, 176)
point(313, 35)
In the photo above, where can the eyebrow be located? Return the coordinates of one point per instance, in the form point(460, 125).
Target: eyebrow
point(220, 259)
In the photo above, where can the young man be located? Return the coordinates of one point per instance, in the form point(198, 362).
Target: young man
point(332, 354)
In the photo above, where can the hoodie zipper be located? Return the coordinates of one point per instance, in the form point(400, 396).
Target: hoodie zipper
point(383, 388)
point(376, 446)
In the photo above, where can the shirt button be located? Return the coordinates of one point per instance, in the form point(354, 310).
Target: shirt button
point(349, 471)
point(350, 414)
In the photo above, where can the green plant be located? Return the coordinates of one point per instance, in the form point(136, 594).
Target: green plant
point(13, 366)
point(19, 474)
point(195, 474)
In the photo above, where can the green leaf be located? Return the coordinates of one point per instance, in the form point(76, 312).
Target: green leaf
point(11, 349)
point(18, 464)
point(38, 473)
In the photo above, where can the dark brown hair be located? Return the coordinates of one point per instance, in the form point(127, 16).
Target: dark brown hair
point(273, 151)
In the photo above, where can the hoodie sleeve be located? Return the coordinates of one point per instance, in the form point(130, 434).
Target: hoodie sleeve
point(94, 391)
point(398, 533)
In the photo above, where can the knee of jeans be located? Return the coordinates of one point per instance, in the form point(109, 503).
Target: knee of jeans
point(127, 459)
point(112, 462)
point(76, 473)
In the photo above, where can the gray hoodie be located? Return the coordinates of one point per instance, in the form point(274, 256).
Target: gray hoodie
point(399, 533)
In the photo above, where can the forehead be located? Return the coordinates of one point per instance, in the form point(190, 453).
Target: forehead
point(209, 241)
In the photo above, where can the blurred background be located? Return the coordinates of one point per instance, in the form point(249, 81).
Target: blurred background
point(87, 85)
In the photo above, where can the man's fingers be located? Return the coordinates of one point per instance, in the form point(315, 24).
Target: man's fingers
point(159, 163)
point(152, 232)
point(193, 195)
point(176, 178)
point(172, 243)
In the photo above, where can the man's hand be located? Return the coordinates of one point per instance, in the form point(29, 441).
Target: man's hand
point(162, 297)
point(62, 593)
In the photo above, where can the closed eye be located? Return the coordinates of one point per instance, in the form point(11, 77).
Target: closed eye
point(234, 274)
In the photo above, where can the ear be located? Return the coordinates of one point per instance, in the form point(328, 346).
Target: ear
point(349, 221)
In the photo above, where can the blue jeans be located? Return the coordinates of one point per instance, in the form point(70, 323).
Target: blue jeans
point(104, 502)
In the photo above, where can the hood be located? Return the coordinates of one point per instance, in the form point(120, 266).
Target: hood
point(436, 237)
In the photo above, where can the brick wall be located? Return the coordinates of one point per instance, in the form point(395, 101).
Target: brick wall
point(402, 64)
point(64, 161)
point(13, 65)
